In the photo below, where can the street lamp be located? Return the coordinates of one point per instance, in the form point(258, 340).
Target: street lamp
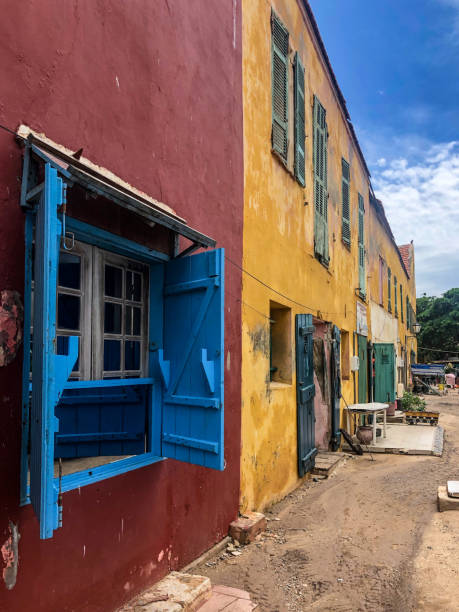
point(416, 328)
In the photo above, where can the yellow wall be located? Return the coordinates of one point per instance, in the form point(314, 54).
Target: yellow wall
point(279, 247)
point(381, 245)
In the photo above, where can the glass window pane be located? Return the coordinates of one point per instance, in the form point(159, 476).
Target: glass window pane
point(62, 348)
point(136, 317)
point(112, 355)
point(133, 286)
point(131, 355)
point(112, 318)
point(113, 281)
point(128, 321)
point(68, 311)
point(69, 270)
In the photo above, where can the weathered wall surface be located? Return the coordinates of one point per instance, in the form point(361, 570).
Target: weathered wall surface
point(152, 91)
point(389, 326)
point(279, 248)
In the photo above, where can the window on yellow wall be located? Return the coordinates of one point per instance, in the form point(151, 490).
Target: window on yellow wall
point(280, 89)
point(280, 343)
point(345, 357)
point(395, 297)
point(381, 281)
point(389, 290)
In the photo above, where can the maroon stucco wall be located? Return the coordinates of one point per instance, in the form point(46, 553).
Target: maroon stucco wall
point(152, 91)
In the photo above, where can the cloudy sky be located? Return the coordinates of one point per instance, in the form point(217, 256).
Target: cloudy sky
point(397, 63)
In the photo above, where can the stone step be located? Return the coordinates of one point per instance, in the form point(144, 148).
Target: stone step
point(177, 592)
point(228, 599)
point(326, 463)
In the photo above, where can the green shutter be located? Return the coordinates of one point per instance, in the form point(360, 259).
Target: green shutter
point(408, 324)
point(299, 122)
point(395, 297)
point(279, 59)
point(389, 290)
point(362, 279)
point(320, 181)
point(401, 302)
point(346, 213)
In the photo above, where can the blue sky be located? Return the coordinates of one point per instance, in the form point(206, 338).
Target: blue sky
point(397, 63)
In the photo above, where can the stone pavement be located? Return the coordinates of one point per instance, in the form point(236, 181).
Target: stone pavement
point(228, 599)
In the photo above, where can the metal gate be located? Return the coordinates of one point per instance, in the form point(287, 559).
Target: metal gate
point(305, 392)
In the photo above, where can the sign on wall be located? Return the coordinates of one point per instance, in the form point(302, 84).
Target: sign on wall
point(362, 325)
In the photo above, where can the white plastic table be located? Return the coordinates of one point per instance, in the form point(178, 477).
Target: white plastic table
point(373, 408)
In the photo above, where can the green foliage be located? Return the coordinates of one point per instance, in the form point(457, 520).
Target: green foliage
point(410, 401)
point(439, 319)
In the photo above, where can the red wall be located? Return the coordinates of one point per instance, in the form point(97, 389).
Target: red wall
point(152, 90)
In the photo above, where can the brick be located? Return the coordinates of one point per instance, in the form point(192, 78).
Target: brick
point(445, 502)
point(246, 528)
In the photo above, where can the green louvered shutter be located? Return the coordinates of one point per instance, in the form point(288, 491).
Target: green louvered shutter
point(408, 324)
point(389, 290)
point(320, 181)
point(395, 297)
point(299, 122)
point(346, 216)
point(279, 60)
point(401, 302)
point(362, 280)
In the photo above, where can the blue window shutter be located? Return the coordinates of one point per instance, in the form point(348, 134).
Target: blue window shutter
point(362, 275)
point(320, 162)
point(43, 494)
point(299, 121)
point(345, 193)
point(279, 75)
point(193, 359)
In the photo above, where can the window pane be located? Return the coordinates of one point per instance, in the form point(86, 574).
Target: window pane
point(133, 286)
point(69, 270)
point(112, 319)
point(112, 355)
point(136, 315)
point(62, 348)
point(68, 311)
point(128, 321)
point(133, 319)
point(131, 355)
point(113, 281)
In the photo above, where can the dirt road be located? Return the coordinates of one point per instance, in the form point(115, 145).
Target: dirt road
point(367, 539)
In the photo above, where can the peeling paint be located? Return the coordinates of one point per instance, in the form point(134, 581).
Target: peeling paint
point(259, 337)
point(160, 556)
point(10, 556)
point(11, 319)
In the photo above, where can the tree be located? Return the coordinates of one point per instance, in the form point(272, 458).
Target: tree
point(439, 320)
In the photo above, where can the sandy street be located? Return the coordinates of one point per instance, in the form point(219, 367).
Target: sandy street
point(367, 539)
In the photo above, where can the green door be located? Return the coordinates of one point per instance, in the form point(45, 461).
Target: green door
point(384, 372)
point(363, 368)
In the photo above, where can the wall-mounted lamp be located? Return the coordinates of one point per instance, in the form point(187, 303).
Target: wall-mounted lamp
point(416, 330)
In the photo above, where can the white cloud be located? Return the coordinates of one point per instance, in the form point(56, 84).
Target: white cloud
point(421, 199)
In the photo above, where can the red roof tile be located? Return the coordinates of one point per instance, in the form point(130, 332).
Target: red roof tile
point(405, 253)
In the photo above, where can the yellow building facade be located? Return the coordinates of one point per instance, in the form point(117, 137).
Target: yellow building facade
point(307, 229)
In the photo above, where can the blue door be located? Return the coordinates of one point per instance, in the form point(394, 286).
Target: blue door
point(305, 392)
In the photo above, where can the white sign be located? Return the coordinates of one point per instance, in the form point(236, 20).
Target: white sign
point(362, 325)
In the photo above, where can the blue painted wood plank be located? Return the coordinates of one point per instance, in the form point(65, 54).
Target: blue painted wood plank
point(193, 415)
point(43, 493)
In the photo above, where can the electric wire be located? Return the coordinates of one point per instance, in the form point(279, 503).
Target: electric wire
point(314, 310)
